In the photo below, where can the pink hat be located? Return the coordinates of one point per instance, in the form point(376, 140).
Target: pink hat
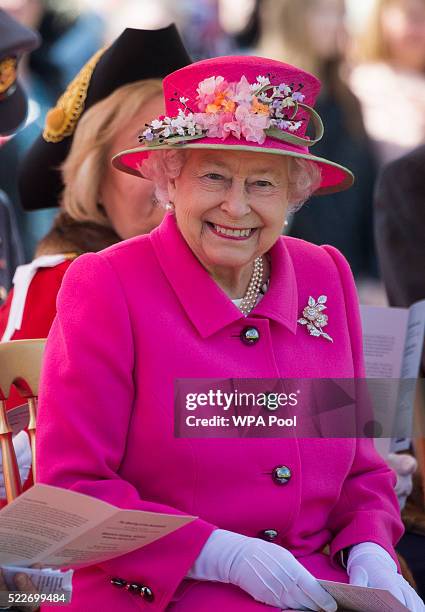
point(241, 104)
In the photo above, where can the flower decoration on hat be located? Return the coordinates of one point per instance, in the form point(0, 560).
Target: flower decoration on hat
point(252, 111)
point(314, 319)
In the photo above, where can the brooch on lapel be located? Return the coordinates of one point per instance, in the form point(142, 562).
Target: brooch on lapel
point(314, 318)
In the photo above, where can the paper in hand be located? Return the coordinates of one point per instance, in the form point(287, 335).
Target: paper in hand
point(362, 599)
point(46, 581)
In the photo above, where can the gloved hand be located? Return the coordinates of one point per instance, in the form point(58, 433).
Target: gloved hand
point(22, 448)
point(370, 565)
point(404, 466)
point(268, 572)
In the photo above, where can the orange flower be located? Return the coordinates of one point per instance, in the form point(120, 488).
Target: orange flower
point(212, 108)
point(257, 107)
point(229, 106)
point(220, 99)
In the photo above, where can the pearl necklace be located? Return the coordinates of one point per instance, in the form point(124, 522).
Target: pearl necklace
point(249, 300)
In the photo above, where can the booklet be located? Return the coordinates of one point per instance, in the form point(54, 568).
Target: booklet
point(18, 418)
point(393, 342)
point(60, 528)
point(362, 599)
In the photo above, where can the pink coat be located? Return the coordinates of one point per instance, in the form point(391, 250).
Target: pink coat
point(140, 314)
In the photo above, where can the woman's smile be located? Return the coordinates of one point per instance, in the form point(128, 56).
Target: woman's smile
point(231, 233)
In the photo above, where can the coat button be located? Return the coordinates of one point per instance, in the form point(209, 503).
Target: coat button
point(268, 534)
point(250, 335)
point(281, 474)
point(146, 593)
point(134, 587)
point(119, 582)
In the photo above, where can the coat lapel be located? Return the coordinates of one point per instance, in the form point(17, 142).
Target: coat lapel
point(205, 303)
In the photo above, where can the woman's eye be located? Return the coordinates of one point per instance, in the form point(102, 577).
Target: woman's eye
point(214, 176)
point(263, 184)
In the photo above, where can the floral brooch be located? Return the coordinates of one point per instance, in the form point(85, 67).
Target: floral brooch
point(314, 318)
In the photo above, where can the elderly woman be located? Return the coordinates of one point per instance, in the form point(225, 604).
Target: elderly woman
point(216, 292)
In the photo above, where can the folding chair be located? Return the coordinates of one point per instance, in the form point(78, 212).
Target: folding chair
point(20, 366)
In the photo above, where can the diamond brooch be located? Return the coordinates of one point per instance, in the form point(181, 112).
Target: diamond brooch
point(314, 319)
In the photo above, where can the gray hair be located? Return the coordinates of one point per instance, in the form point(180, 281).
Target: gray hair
point(160, 166)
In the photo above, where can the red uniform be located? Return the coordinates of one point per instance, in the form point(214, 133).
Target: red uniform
point(40, 304)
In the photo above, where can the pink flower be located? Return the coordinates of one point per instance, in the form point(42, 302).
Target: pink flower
point(209, 89)
point(243, 93)
point(210, 122)
point(252, 125)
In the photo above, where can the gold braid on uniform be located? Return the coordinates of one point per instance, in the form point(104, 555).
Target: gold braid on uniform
point(63, 118)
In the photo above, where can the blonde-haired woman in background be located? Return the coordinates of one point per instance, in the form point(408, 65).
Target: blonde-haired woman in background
point(390, 77)
point(312, 34)
point(100, 206)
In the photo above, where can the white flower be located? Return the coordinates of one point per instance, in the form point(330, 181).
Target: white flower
point(263, 97)
point(183, 100)
point(263, 81)
point(156, 125)
point(209, 86)
point(295, 126)
point(287, 102)
point(254, 87)
point(166, 132)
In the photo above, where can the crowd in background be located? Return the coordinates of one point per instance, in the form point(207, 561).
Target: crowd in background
point(369, 56)
point(371, 62)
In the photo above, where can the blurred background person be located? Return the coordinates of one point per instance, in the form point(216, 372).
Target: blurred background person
point(312, 34)
point(390, 77)
point(400, 237)
point(69, 37)
point(15, 41)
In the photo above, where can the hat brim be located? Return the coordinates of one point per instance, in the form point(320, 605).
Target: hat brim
point(335, 177)
point(13, 111)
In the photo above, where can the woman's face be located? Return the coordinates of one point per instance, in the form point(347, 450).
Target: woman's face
point(403, 27)
point(129, 200)
point(230, 206)
point(326, 29)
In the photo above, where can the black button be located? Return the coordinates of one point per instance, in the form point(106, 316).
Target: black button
point(119, 582)
point(146, 593)
point(268, 534)
point(250, 335)
point(135, 588)
point(281, 474)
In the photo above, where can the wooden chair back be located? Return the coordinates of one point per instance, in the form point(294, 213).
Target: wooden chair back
point(20, 366)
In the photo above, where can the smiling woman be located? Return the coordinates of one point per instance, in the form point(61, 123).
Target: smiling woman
point(230, 205)
point(216, 292)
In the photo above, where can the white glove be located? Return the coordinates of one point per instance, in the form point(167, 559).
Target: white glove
point(268, 572)
point(22, 448)
point(370, 565)
point(404, 466)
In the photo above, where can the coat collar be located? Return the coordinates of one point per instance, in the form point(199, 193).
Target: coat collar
point(207, 306)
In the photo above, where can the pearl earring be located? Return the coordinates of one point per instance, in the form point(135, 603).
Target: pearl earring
point(170, 207)
point(286, 223)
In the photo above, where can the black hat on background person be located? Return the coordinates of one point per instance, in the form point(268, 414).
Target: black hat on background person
point(15, 40)
point(135, 55)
